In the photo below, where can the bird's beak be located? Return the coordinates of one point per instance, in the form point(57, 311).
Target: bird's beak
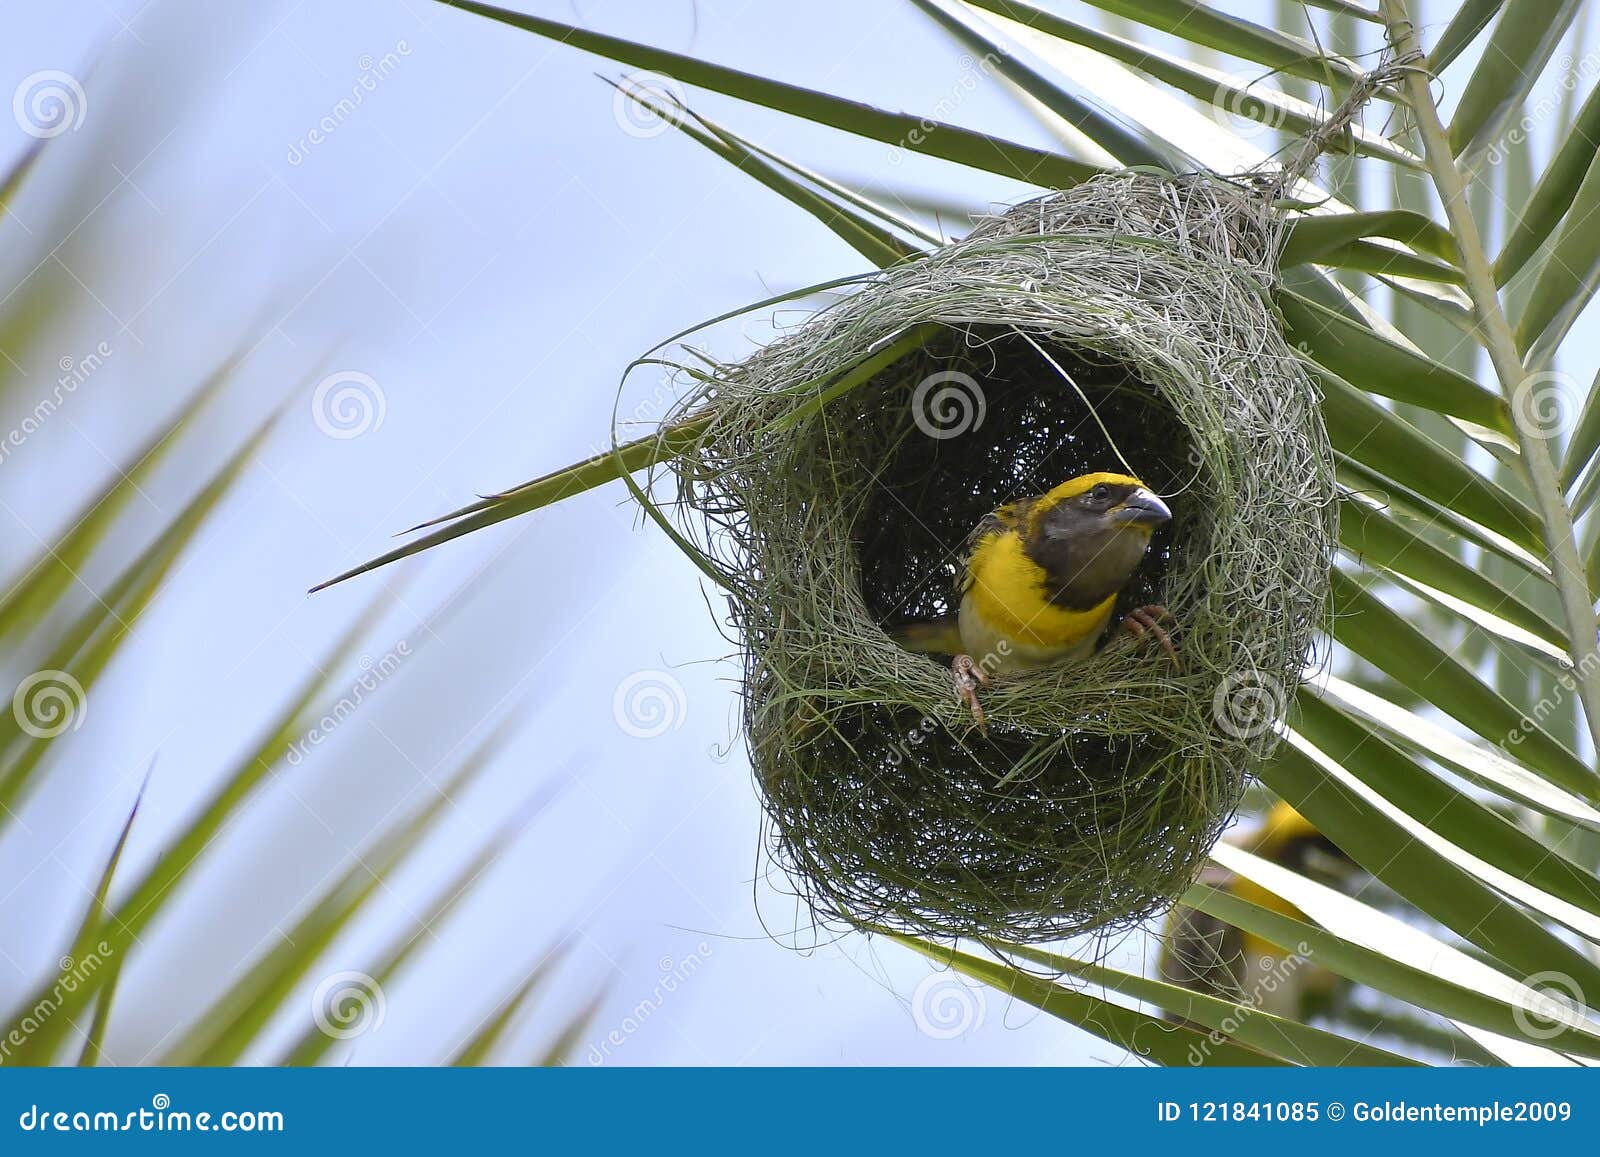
point(1142, 508)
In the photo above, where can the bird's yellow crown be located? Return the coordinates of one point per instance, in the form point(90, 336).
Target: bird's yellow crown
point(1073, 487)
point(1084, 483)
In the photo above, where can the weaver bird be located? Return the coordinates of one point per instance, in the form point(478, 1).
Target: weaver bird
point(1205, 955)
point(1040, 578)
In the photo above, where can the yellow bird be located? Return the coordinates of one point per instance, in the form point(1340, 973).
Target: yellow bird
point(1040, 578)
point(1205, 955)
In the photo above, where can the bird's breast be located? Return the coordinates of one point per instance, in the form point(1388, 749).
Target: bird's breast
point(1006, 601)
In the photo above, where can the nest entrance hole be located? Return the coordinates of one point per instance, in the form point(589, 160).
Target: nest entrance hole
point(980, 417)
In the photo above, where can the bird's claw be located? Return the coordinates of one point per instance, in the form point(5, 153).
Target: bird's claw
point(969, 676)
point(1147, 620)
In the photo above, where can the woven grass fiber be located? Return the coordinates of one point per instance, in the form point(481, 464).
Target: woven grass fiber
point(1125, 324)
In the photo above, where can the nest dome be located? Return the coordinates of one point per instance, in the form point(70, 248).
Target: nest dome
point(831, 479)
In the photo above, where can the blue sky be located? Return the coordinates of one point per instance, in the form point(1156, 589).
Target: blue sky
point(475, 243)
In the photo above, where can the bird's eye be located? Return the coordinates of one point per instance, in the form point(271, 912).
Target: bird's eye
point(1100, 491)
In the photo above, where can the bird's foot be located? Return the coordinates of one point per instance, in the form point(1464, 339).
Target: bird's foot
point(1147, 620)
point(969, 676)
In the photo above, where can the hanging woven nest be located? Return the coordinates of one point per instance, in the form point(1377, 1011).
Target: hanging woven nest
point(1123, 325)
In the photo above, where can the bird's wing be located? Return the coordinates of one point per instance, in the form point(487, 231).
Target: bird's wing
point(942, 636)
point(1002, 521)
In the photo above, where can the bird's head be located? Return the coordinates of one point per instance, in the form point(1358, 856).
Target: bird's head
point(1098, 503)
point(1091, 532)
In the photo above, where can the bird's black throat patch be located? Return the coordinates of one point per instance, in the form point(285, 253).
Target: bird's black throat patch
point(1087, 561)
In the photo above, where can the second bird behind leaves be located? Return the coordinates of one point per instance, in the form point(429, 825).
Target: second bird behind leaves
point(1040, 578)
